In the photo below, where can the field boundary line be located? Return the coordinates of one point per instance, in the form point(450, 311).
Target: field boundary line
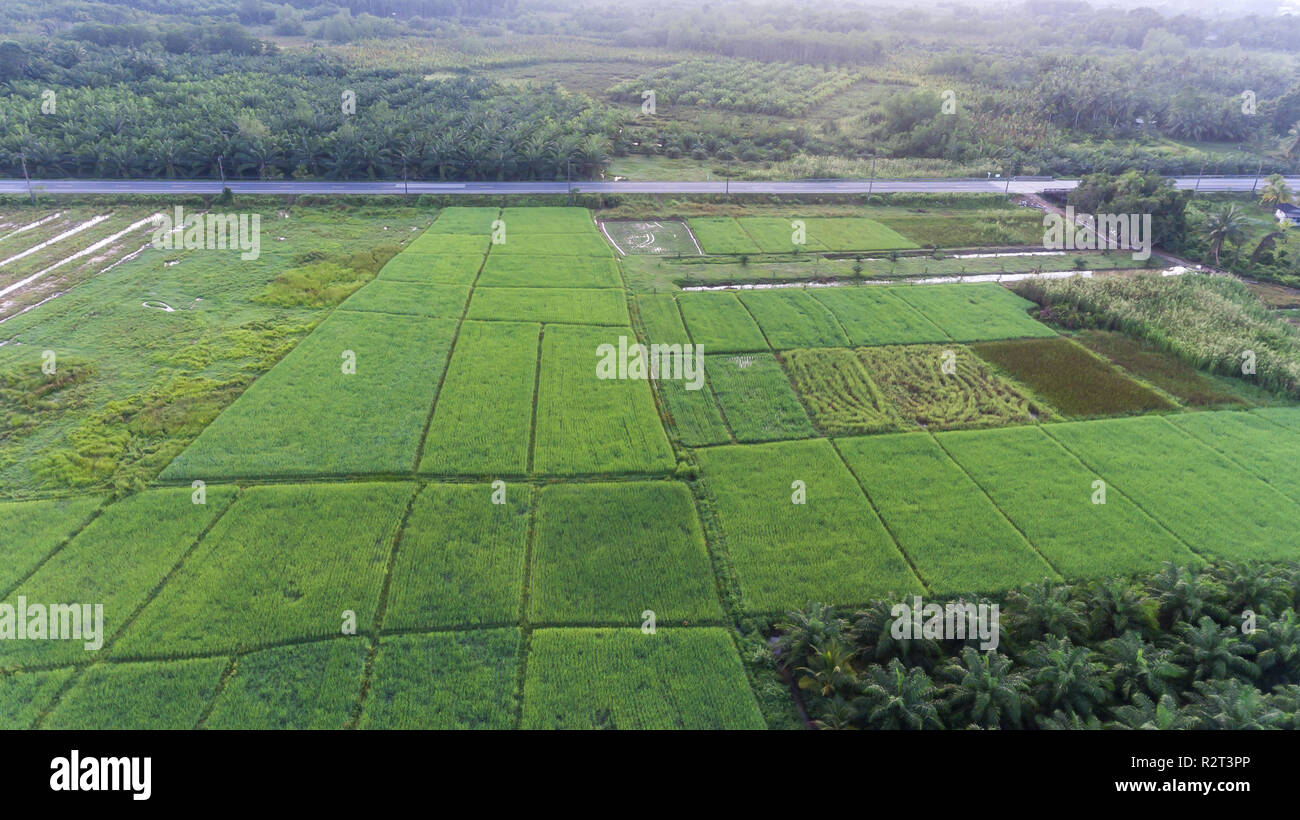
point(812, 294)
point(757, 323)
point(104, 504)
point(894, 290)
point(911, 565)
point(451, 351)
point(1112, 485)
point(381, 608)
point(79, 671)
point(218, 690)
point(525, 598)
point(1023, 535)
point(537, 389)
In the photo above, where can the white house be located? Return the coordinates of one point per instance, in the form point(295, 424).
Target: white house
point(1287, 214)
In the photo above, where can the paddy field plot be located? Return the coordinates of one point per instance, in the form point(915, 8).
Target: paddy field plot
point(793, 318)
point(856, 234)
point(410, 298)
point(774, 234)
point(756, 398)
point(1048, 495)
point(1070, 378)
point(548, 221)
point(970, 313)
point(692, 414)
point(283, 564)
point(1288, 417)
point(117, 561)
point(471, 220)
point(482, 422)
point(831, 548)
point(429, 269)
point(720, 323)
point(837, 387)
point(588, 244)
point(309, 415)
point(461, 558)
point(1147, 361)
point(606, 553)
point(722, 235)
point(33, 529)
point(666, 237)
point(447, 244)
point(876, 316)
point(506, 271)
point(958, 540)
point(914, 379)
point(1252, 442)
point(169, 695)
point(445, 680)
point(24, 695)
point(677, 678)
point(302, 686)
point(589, 425)
point(1216, 507)
point(575, 306)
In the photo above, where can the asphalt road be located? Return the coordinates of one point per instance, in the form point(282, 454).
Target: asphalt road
point(1019, 185)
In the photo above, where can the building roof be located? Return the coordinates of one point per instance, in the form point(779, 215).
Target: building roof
point(1288, 209)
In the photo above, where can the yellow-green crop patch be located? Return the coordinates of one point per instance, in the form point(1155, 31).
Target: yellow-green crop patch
point(720, 323)
point(1049, 496)
point(837, 386)
point(429, 269)
point(447, 244)
point(790, 544)
point(446, 680)
point(792, 318)
point(411, 298)
point(285, 563)
point(546, 221)
point(461, 558)
point(353, 397)
point(482, 422)
point(971, 313)
point(168, 695)
point(676, 678)
point(774, 234)
point(302, 686)
point(24, 695)
point(589, 425)
point(116, 561)
point(691, 413)
point(873, 315)
point(1216, 507)
point(1254, 443)
point(568, 244)
point(512, 271)
point(958, 540)
point(756, 398)
point(855, 234)
point(722, 235)
point(465, 220)
point(607, 553)
point(575, 306)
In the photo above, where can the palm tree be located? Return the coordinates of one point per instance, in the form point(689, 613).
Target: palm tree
point(984, 690)
point(1136, 666)
point(1276, 192)
point(829, 669)
point(1045, 609)
point(1211, 652)
point(1227, 224)
point(1186, 594)
point(1065, 676)
point(1144, 713)
point(805, 629)
point(895, 697)
point(872, 633)
point(1117, 605)
point(1278, 646)
point(1232, 704)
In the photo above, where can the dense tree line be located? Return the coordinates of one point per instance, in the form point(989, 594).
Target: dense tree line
point(1185, 648)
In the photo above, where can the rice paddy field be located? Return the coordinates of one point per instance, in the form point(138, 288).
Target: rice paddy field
point(436, 506)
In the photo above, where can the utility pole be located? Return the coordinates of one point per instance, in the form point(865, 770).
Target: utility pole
point(30, 194)
point(406, 191)
point(1197, 189)
point(222, 169)
point(568, 178)
point(1254, 183)
point(872, 182)
point(727, 184)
